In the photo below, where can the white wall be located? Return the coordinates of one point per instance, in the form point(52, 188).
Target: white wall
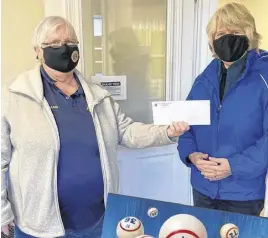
point(258, 8)
point(19, 19)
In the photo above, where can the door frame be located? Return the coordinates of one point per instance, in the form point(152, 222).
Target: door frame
point(187, 44)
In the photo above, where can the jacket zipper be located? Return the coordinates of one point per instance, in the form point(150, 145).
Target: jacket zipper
point(91, 107)
point(218, 130)
point(57, 145)
point(96, 124)
point(220, 105)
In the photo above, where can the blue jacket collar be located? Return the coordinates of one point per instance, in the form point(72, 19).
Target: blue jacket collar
point(255, 61)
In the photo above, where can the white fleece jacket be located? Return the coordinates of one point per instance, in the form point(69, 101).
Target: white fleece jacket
point(30, 148)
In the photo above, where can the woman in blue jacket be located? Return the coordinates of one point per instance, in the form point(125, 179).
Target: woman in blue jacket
point(229, 158)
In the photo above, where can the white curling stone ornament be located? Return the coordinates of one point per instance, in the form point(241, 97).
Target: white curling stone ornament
point(129, 227)
point(183, 226)
point(229, 230)
point(152, 212)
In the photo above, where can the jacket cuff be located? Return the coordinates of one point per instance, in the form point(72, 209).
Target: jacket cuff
point(185, 157)
point(165, 139)
point(188, 160)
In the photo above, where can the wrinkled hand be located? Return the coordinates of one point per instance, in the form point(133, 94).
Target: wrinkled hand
point(177, 129)
point(5, 229)
point(217, 172)
point(200, 160)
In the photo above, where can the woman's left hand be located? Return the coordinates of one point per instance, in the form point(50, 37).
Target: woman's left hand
point(220, 171)
point(177, 129)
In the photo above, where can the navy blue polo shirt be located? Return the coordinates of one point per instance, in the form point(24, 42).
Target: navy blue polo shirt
point(80, 180)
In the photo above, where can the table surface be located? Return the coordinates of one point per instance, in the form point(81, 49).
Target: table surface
point(119, 206)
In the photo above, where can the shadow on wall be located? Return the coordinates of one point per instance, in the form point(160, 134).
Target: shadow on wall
point(132, 59)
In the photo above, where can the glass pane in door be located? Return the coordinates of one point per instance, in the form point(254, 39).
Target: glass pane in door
point(128, 37)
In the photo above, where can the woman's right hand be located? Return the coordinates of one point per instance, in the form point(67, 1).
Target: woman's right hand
point(5, 229)
point(197, 156)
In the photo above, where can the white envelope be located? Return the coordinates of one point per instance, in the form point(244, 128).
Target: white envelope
point(196, 112)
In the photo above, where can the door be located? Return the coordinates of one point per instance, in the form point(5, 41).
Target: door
point(136, 38)
point(128, 37)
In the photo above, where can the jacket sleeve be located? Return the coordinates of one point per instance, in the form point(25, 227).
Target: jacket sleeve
point(138, 135)
point(6, 212)
point(187, 144)
point(253, 162)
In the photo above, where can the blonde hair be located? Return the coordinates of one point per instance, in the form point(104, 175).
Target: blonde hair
point(49, 25)
point(234, 16)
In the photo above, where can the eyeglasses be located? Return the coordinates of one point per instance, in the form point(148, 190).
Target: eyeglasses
point(58, 44)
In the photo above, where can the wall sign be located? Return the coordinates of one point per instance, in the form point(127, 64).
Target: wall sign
point(116, 85)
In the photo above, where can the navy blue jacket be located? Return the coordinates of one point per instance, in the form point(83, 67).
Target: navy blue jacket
point(238, 131)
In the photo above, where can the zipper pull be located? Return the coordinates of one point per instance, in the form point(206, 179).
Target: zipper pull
point(219, 108)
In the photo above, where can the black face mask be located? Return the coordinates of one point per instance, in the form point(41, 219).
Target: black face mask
point(63, 59)
point(230, 48)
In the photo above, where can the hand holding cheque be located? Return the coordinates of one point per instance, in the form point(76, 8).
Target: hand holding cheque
point(177, 129)
point(196, 112)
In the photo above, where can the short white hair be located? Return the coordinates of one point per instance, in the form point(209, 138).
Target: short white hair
point(47, 26)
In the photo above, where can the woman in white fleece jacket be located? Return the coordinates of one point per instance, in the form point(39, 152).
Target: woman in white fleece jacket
point(59, 142)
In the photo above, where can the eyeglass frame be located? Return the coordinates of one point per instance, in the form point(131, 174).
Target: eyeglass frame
point(58, 44)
